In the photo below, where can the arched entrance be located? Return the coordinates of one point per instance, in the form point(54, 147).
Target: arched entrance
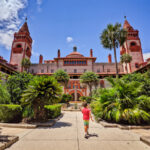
point(73, 96)
point(79, 94)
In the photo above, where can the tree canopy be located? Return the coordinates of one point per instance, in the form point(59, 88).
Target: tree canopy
point(26, 63)
point(62, 77)
point(90, 79)
point(112, 37)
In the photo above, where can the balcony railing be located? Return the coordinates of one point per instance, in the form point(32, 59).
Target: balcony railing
point(17, 50)
point(135, 48)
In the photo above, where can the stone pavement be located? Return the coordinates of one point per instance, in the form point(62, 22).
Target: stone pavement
point(68, 134)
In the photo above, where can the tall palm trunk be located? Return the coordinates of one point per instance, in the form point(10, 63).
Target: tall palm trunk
point(116, 61)
point(127, 68)
point(90, 88)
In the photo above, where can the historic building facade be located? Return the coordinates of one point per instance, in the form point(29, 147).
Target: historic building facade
point(75, 64)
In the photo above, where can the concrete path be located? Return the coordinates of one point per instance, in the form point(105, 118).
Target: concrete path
point(68, 134)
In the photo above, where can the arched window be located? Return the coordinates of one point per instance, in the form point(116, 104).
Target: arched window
point(19, 46)
point(132, 44)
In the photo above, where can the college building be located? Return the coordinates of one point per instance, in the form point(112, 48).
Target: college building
point(75, 64)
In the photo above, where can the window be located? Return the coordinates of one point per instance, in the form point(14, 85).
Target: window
point(32, 71)
point(69, 86)
point(75, 70)
point(65, 70)
point(136, 65)
point(42, 71)
point(98, 70)
point(85, 70)
point(132, 44)
point(52, 70)
point(108, 70)
point(19, 46)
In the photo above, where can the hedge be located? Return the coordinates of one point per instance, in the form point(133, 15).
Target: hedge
point(53, 111)
point(10, 113)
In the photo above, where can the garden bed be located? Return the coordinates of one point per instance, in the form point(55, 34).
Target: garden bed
point(124, 127)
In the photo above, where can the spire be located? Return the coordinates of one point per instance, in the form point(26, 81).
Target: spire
point(24, 27)
point(127, 25)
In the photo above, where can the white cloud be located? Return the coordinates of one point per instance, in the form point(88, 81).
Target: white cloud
point(69, 39)
point(35, 54)
point(9, 20)
point(39, 2)
point(146, 56)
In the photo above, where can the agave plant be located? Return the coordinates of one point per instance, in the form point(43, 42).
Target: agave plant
point(40, 92)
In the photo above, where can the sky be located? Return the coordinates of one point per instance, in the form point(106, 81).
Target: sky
point(62, 24)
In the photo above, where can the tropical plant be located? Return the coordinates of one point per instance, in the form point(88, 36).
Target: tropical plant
point(62, 77)
point(41, 91)
point(26, 64)
point(143, 79)
point(112, 37)
point(66, 98)
point(16, 84)
point(121, 103)
point(87, 99)
point(90, 79)
point(126, 58)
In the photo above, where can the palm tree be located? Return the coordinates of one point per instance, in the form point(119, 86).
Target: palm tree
point(62, 77)
point(41, 91)
point(126, 58)
point(90, 79)
point(112, 37)
point(26, 64)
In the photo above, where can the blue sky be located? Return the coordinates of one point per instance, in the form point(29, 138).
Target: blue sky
point(61, 24)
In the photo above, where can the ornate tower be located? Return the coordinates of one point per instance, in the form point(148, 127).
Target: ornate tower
point(132, 46)
point(21, 46)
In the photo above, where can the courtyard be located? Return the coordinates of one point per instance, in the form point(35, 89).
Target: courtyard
point(68, 134)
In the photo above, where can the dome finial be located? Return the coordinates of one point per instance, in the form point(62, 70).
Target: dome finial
point(74, 48)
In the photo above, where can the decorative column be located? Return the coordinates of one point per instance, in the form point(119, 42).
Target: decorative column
point(75, 93)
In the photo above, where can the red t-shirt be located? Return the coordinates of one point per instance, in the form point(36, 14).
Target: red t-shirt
point(86, 113)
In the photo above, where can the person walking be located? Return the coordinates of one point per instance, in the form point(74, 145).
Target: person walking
point(86, 117)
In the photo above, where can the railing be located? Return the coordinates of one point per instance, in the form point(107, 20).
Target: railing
point(135, 48)
point(17, 50)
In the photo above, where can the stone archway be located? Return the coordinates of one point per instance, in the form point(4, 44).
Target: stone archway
point(79, 94)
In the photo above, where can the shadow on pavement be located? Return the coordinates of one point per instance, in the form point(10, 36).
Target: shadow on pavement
point(92, 135)
point(62, 124)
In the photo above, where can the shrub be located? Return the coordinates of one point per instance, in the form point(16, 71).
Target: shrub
point(53, 111)
point(122, 103)
point(28, 112)
point(144, 103)
point(4, 95)
point(66, 98)
point(88, 99)
point(10, 113)
point(16, 84)
point(96, 109)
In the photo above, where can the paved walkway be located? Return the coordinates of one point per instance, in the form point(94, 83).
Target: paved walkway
point(68, 134)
